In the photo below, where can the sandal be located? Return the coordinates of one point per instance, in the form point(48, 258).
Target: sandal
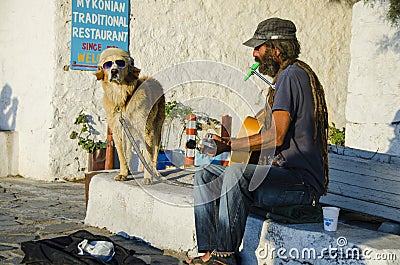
point(212, 261)
point(217, 258)
point(229, 260)
point(196, 260)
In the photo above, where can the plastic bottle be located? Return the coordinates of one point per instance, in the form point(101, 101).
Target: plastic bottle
point(208, 146)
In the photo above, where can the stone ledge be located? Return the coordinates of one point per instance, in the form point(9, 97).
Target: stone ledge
point(160, 214)
point(163, 215)
point(290, 241)
point(8, 153)
point(364, 154)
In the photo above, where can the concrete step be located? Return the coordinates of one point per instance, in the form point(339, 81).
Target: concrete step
point(162, 215)
point(267, 242)
point(8, 153)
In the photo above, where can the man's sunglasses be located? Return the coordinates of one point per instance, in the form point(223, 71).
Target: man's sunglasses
point(120, 63)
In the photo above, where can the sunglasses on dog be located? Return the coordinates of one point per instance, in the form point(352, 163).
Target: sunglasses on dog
point(120, 63)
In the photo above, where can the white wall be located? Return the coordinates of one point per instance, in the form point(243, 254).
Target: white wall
point(27, 67)
point(162, 34)
point(168, 32)
point(373, 100)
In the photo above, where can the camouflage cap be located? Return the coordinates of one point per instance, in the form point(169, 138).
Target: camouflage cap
point(272, 29)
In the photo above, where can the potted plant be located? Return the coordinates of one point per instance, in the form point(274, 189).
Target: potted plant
point(86, 140)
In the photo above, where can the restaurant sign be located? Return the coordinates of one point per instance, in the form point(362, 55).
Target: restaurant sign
point(96, 26)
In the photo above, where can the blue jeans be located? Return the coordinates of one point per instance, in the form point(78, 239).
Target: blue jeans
point(223, 200)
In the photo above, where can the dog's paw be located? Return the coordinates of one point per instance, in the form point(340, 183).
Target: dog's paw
point(120, 178)
point(147, 181)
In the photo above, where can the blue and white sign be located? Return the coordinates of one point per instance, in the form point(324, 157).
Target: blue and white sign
point(96, 26)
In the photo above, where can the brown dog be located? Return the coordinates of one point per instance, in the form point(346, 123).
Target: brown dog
point(140, 101)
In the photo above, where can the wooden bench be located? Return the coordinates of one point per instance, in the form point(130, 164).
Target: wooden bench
point(365, 186)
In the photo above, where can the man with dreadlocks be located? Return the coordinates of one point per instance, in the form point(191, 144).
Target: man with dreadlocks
point(298, 132)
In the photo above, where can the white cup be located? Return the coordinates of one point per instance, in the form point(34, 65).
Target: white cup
point(331, 215)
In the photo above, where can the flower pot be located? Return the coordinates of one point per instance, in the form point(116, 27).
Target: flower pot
point(97, 160)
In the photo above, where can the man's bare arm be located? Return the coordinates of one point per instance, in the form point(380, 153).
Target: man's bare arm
point(266, 139)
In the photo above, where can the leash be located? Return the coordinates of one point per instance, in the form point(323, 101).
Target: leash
point(155, 173)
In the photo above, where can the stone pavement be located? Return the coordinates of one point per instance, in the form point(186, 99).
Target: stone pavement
point(34, 210)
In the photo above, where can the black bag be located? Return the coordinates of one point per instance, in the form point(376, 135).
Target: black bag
point(294, 214)
point(64, 250)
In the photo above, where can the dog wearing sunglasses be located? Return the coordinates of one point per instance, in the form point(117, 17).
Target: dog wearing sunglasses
point(141, 103)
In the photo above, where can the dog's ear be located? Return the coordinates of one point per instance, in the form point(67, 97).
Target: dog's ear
point(133, 74)
point(132, 69)
point(99, 74)
point(136, 72)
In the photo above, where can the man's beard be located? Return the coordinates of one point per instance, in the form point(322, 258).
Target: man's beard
point(268, 66)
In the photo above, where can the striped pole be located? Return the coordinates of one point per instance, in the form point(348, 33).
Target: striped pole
point(109, 150)
point(226, 129)
point(190, 135)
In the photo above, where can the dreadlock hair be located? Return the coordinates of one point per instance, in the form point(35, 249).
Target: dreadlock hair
point(290, 49)
point(289, 52)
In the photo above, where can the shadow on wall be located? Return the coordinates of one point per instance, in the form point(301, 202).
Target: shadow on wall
point(394, 147)
point(390, 43)
point(8, 109)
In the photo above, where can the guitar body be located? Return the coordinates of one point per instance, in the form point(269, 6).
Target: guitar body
point(250, 126)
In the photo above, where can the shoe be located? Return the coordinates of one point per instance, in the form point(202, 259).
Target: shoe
point(230, 260)
point(196, 260)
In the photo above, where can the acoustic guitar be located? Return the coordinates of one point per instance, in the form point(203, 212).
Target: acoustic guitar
point(250, 126)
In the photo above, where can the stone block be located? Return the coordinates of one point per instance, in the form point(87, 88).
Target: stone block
point(8, 153)
point(390, 227)
point(161, 214)
point(379, 138)
point(267, 242)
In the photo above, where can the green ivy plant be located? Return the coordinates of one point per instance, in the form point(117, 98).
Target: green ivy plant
point(174, 109)
point(393, 13)
point(86, 135)
point(336, 136)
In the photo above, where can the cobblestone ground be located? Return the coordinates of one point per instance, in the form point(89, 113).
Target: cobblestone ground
point(34, 210)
